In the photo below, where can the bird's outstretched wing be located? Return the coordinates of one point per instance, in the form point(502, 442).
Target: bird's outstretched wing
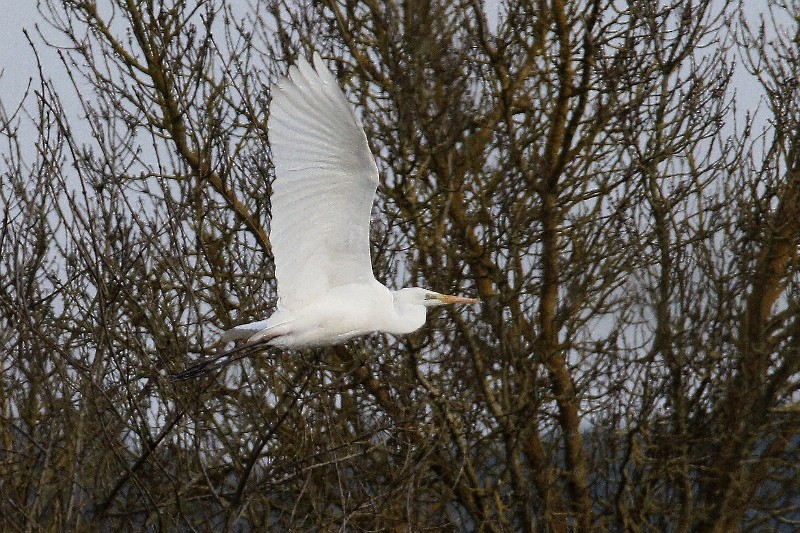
point(325, 182)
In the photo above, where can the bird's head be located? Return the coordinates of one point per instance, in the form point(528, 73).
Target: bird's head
point(411, 305)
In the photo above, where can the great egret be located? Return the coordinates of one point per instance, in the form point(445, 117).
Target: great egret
point(325, 182)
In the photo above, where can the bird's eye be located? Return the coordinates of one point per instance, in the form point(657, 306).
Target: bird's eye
point(430, 296)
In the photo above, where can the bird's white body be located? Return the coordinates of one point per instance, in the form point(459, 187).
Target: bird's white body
point(339, 314)
point(325, 183)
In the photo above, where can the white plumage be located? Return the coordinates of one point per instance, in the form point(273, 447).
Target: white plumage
point(325, 183)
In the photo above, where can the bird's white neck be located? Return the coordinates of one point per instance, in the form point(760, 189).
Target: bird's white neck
point(409, 314)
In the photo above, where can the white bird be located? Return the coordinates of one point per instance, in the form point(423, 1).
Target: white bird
point(325, 183)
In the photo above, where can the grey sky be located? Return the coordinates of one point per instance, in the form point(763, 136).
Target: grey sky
point(17, 62)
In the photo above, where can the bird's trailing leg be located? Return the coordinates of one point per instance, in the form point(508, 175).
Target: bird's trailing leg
point(219, 360)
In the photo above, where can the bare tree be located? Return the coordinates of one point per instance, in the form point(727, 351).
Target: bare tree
point(586, 168)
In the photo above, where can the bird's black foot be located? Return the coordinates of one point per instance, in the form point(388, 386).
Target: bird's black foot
point(218, 361)
point(195, 370)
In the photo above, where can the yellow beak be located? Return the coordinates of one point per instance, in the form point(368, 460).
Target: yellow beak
point(450, 299)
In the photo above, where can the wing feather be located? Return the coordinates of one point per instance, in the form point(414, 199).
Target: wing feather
point(325, 182)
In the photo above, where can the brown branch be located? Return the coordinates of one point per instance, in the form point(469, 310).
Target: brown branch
point(173, 121)
point(749, 384)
